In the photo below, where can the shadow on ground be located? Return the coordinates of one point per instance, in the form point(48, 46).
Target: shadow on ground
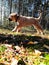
point(35, 42)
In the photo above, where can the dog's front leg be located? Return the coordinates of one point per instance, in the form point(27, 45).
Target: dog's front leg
point(18, 30)
point(14, 30)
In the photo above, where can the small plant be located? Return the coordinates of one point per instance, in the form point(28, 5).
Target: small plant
point(2, 48)
point(46, 56)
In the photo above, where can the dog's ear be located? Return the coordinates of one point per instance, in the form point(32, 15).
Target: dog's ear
point(17, 16)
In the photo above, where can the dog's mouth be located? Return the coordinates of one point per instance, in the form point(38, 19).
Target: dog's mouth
point(10, 20)
point(16, 23)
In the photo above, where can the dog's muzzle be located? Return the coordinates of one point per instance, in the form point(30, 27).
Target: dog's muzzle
point(9, 19)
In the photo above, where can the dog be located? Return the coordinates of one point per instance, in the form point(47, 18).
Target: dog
point(22, 21)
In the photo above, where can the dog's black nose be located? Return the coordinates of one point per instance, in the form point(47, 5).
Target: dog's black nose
point(10, 19)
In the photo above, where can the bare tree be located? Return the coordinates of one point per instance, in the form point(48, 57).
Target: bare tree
point(10, 5)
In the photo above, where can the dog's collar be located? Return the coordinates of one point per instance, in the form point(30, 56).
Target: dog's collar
point(17, 18)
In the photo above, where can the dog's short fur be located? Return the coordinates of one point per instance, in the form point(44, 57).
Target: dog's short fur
point(23, 21)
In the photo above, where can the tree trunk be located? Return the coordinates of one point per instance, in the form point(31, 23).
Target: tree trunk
point(10, 6)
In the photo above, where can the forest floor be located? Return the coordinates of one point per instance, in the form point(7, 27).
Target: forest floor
point(23, 49)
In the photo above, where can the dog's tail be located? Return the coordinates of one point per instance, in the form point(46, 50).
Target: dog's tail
point(40, 16)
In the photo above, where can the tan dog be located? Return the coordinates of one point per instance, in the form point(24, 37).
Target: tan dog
point(23, 21)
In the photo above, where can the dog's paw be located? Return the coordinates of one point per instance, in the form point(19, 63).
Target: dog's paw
point(13, 30)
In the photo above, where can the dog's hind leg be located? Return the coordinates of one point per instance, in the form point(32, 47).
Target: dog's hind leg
point(38, 28)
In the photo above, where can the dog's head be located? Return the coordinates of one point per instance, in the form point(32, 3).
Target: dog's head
point(13, 17)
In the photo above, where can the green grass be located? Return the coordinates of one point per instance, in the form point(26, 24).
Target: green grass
point(5, 31)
